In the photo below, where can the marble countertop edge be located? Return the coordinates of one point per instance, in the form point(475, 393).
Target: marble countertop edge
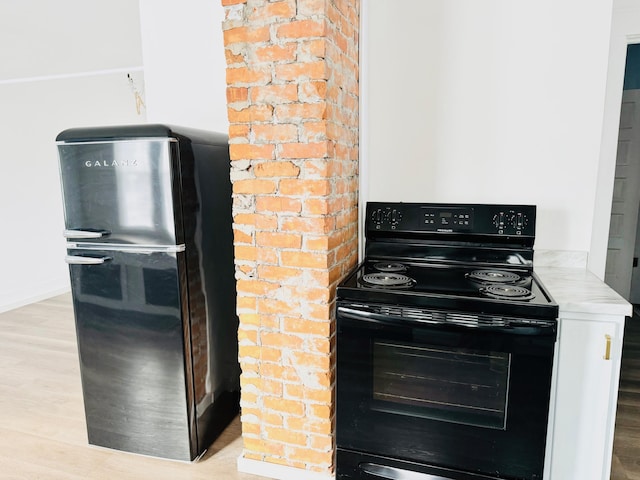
point(577, 290)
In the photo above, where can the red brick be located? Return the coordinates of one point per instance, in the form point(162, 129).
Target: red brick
point(281, 340)
point(320, 411)
point(282, 240)
point(320, 312)
point(274, 94)
point(299, 112)
point(246, 151)
point(278, 204)
point(276, 307)
point(308, 456)
point(267, 256)
point(275, 53)
point(301, 71)
point(322, 345)
point(317, 206)
point(240, 237)
point(272, 387)
point(248, 319)
point(304, 187)
point(275, 133)
point(278, 404)
point(302, 29)
point(254, 186)
point(312, 91)
point(250, 428)
point(274, 273)
point(312, 426)
point(303, 150)
point(286, 373)
point(255, 287)
point(242, 252)
point(276, 169)
point(250, 76)
point(259, 445)
point(313, 131)
point(286, 436)
point(246, 303)
point(237, 94)
point(313, 294)
point(308, 225)
point(233, 59)
point(322, 442)
point(253, 113)
point(246, 34)
point(238, 131)
point(305, 326)
point(273, 418)
point(272, 11)
point(314, 47)
point(303, 259)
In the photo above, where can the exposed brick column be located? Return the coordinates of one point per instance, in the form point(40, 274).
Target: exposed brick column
point(292, 75)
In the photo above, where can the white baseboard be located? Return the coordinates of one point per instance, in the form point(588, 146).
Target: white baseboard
point(13, 304)
point(278, 472)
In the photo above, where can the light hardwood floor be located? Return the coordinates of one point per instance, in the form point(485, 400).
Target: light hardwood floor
point(626, 444)
point(42, 429)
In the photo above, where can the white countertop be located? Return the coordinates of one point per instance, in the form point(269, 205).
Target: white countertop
point(577, 290)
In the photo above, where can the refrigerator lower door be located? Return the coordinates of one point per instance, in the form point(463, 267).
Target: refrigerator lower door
point(134, 354)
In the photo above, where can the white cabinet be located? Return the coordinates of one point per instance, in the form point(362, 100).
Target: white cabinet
point(584, 398)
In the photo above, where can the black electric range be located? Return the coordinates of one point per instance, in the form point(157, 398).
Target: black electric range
point(445, 346)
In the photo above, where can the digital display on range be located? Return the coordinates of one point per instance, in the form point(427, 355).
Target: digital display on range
point(458, 220)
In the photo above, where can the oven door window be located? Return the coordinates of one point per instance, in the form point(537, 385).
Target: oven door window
point(456, 385)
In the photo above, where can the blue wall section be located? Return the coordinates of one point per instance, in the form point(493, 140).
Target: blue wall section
point(632, 68)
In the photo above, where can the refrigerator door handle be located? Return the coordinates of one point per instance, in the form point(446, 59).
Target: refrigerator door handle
point(85, 233)
point(128, 248)
point(79, 260)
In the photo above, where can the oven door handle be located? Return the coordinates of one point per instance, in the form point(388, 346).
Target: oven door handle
point(512, 326)
point(392, 473)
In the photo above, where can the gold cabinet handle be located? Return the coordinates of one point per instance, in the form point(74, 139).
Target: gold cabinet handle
point(607, 348)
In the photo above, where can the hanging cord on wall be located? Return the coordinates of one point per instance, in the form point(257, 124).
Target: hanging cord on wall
point(137, 95)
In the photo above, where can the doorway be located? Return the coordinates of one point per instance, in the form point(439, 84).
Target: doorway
point(622, 272)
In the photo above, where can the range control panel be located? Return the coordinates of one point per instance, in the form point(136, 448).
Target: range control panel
point(482, 219)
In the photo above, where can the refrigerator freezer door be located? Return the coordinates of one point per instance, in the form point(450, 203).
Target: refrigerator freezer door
point(135, 363)
point(122, 191)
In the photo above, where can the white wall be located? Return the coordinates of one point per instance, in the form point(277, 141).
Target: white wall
point(184, 63)
point(64, 64)
point(493, 101)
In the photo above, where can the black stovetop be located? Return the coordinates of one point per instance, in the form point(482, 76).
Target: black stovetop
point(472, 258)
point(505, 290)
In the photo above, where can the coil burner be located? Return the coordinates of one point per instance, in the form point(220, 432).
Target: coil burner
point(390, 267)
point(493, 276)
point(507, 292)
point(387, 280)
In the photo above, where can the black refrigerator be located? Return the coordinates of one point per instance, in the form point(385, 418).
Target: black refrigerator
point(148, 225)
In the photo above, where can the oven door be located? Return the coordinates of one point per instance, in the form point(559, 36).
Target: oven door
point(442, 390)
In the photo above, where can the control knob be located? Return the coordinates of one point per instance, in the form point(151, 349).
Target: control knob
point(396, 216)
point(519, 221)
